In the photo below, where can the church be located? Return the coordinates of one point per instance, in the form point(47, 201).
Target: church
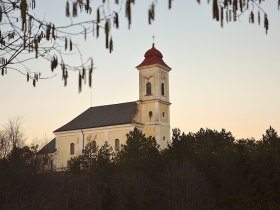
point(111, 123)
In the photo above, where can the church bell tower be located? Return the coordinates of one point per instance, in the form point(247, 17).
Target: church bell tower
point(154, 103)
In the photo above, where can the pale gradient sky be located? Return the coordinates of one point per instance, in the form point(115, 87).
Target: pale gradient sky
point(221, 78)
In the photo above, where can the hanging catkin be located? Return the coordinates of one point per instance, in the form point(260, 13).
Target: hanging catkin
point(48, 31)
point(169, 4)
point(85, 34)
point(23, 11)
point(251, 17)
point(53, 31)
point(116, 20)
point(63, 69)
point(265, 23)
point(75, 9)
point(87, 6)
point(222, 17)
point(90, 78)
point(80, 82)
point(111, 45)
point(67, 12)
point(65, 78)
point(90, 73)
point(29, 24)
point(36, 47)
point(128, 12)
point(106, 27)
point(151, 13)
point(70, 45)
point(65, 44)
point(84, 73)
point(215, 10)
point(33, 4)
point(98, 16)
point(1, 12)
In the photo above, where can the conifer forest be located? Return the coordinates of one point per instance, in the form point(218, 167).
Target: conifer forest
point(208, 169)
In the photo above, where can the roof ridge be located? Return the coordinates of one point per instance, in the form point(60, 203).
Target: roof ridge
point(113, 104)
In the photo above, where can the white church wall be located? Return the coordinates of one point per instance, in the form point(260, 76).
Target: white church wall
point(85, 136)
point(63, 142)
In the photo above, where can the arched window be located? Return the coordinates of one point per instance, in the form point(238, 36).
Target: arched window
point(150, 115)
point(117, 145)
point(72, 149)
point(148, 88)
point(162, 89)
point(93, 146)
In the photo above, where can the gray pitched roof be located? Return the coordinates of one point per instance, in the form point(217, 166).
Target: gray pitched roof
point(99, 116)
point(48, 148)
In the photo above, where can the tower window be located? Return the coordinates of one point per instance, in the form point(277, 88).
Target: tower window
point(162, 89)
point(72, 149)
point(148, 88)
point(117, 145)
point(163, 114)
point(150, 115)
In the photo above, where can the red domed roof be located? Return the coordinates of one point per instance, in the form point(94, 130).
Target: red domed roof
point(153, 56)
point(153, 52)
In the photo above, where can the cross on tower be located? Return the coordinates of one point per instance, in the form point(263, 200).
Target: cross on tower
point(153, 39)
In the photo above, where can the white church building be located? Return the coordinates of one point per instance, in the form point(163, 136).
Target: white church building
point(111, 123)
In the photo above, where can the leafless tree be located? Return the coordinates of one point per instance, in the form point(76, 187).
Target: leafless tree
point(13, 133)
point(40, 142)
point(4, 145)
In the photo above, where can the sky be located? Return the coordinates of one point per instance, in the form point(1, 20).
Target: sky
point(220, 78)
